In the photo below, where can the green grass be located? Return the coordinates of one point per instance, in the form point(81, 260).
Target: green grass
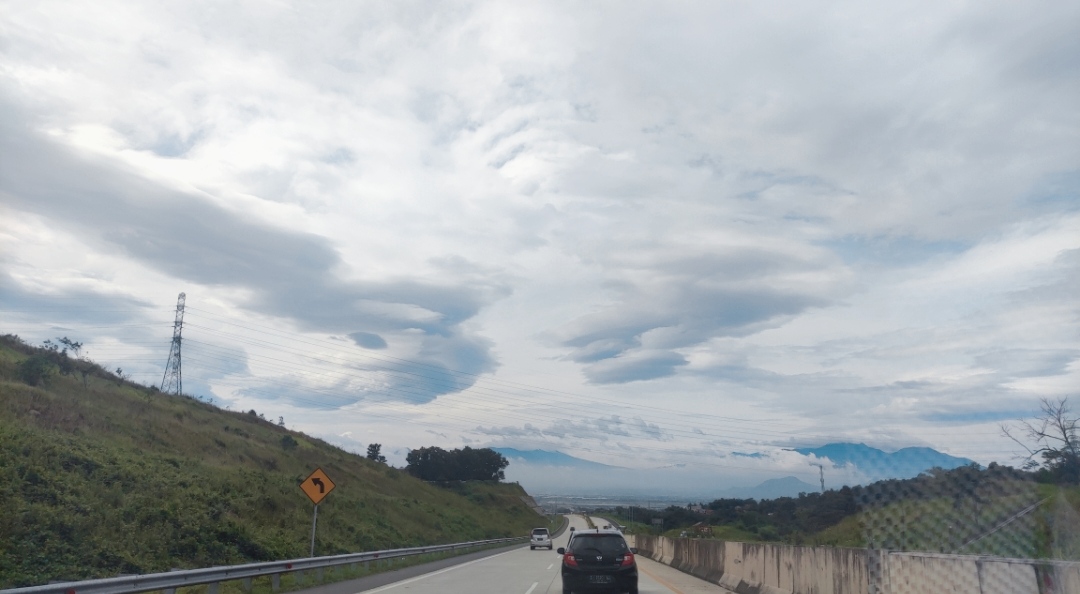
point(114, 478)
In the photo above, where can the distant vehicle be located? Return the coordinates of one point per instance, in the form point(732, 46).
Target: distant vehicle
point(540, 539)
point(598, 561)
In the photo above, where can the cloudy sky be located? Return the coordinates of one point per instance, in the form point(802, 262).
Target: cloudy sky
point(644, 234)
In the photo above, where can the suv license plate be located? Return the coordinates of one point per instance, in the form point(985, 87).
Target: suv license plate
point(600, 579)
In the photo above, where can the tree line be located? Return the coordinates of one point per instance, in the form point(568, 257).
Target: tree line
point(465, 464)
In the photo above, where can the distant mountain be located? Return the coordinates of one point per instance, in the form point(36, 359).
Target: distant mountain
point(904, 463)
point(555, 473)
point(788, 486)
point(546, 458)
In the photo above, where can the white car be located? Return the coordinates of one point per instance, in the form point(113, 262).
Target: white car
point(540, 538)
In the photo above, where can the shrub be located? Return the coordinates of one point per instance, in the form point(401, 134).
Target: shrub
point(36, 370)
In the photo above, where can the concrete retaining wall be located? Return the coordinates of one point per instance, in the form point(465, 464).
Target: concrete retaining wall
point(751, 568)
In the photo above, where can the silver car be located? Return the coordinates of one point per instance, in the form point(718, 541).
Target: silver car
point(540, 538)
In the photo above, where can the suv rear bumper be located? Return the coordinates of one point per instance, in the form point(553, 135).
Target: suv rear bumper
point(624, 581)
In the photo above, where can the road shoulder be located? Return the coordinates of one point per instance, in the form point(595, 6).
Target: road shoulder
point(675, 580)
point(396, 575)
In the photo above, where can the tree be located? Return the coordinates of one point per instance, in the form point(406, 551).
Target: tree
point(36, 370)
point(70, 345)
point(373, 453)
point(1055, 434)
point(429, 464)
point(467, 464)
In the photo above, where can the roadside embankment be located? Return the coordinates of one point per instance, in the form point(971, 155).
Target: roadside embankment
point(752, 568)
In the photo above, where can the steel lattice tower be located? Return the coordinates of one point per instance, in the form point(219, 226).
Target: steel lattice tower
point(173, 381)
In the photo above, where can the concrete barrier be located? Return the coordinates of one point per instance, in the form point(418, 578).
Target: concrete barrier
point(754, 568)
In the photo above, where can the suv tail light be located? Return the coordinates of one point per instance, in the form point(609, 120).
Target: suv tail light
point(569, 559)
point(628, 560)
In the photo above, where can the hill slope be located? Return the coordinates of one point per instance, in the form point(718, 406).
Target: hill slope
point(100, 477)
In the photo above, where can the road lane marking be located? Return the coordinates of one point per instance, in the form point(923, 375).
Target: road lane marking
point(660, 581)
point(550, 566)
point(427, 575)
point(531, 588)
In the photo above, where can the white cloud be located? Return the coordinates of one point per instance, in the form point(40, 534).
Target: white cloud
point(854, 222)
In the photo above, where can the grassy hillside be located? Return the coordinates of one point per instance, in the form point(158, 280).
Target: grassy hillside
point(99, 477)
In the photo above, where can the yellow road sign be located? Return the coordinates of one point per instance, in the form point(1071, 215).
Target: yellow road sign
point(317, 486)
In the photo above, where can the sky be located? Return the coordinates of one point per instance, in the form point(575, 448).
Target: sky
point(653, 235)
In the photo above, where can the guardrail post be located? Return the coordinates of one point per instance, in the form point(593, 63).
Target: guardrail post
point(212, 589)
point(299, 577)
point(318, 575)
point(247, 584)
point(275, 582)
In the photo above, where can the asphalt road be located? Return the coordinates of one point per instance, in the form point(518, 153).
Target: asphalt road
point(515, 570)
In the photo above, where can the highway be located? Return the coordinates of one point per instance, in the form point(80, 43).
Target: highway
point(515, 571)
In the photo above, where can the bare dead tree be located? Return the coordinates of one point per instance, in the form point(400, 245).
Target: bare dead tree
point(1053, 436)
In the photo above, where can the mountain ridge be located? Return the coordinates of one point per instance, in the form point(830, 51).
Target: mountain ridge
point(906, 462)
point(549, 458)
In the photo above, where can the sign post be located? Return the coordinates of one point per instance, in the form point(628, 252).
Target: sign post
point(316, 486)
point(314, 521)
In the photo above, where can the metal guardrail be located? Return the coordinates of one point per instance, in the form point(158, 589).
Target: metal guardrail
point(170, 581)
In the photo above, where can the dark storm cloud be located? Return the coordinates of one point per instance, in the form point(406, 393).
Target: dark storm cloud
point(642, 366)
point(692, 312)
point(688, 301)
point(288, 273)
point(443, 365)
point(368, 340)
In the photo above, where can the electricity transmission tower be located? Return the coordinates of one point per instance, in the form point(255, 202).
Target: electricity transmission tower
point(821, 469)
point(172, 381)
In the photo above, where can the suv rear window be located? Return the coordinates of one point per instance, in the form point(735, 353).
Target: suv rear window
point(606, 544)
point(539, 531)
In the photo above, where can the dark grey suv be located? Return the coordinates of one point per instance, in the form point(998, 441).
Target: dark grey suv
point(598, 561)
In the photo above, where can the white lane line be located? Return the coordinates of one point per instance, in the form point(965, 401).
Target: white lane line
point(531, 588)
point(427, 575)
point(550, 566)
